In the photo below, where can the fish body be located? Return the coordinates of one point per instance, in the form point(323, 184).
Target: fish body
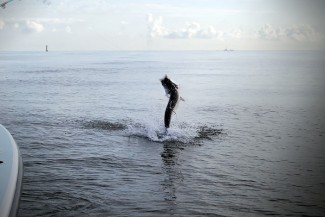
point(171, 90)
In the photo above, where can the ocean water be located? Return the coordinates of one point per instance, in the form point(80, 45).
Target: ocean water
point(247, 141)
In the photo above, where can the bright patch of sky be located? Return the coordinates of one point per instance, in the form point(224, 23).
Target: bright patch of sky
point(163, 25)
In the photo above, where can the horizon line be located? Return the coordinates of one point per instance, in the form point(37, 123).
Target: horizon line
point(159, 50)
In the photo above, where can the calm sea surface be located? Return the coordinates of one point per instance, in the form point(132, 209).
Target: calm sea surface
point(247, 141)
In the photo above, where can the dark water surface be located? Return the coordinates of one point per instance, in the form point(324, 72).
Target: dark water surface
point(248, 140)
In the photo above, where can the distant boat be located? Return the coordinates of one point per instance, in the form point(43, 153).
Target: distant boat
point(228, 49)
point(11, 174)
point(46, 49)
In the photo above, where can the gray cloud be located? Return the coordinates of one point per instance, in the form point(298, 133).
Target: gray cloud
point(26, 26)
point(295, 33)
point(155, 27)
point(301, 33)
point(193, 30)
point(31, 26)
point(38, 25)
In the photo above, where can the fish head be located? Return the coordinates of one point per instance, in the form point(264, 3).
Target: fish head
point(168, 84)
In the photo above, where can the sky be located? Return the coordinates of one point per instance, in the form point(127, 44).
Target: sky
point(72, 25)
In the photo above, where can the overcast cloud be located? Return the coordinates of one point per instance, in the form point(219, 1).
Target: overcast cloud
point(163, 25)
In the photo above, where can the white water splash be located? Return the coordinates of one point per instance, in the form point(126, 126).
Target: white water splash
point(154, 130)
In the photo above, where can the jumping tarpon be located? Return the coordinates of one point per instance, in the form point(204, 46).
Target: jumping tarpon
point(171, 90)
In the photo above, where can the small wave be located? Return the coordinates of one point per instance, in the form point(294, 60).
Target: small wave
point(103, 125)
point(206, 132)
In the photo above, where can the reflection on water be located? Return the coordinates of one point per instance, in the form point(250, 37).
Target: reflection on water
point(173, 174)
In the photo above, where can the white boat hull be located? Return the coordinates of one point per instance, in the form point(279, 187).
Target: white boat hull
point(11, 173)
